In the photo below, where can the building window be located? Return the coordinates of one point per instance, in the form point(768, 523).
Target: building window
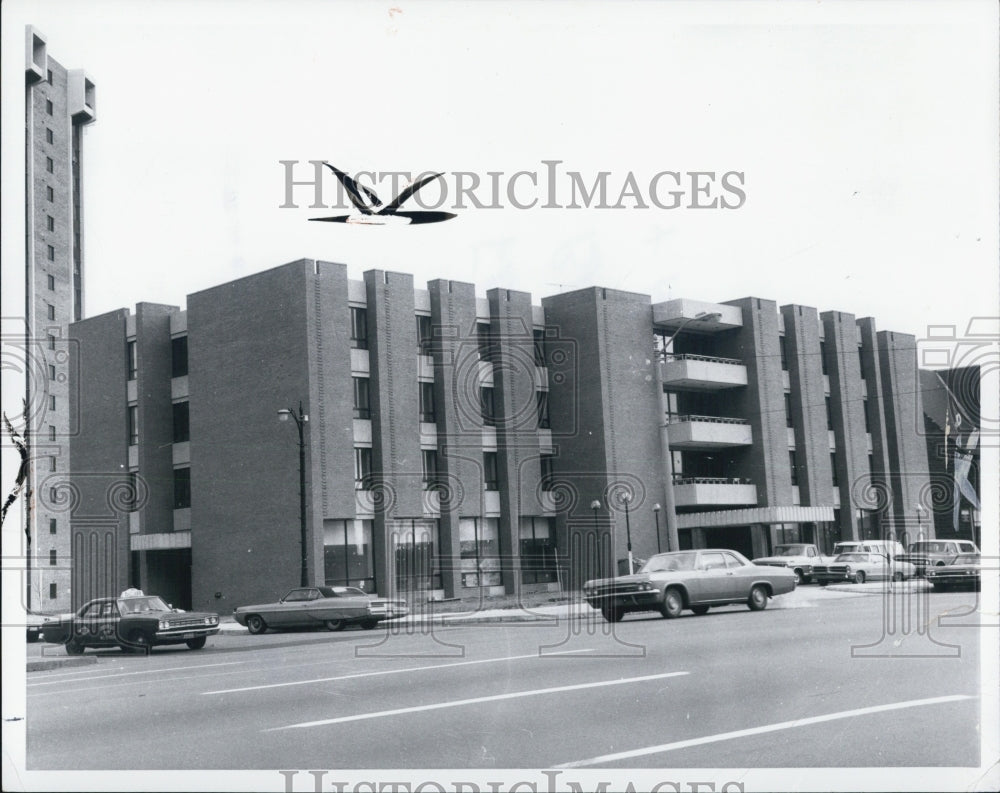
point(861, 362)
point(794, 467)
point(548, 474)
point(50, 311)
point(52, 433)
point(362, 468)
point(179, 356)
point(542, 403)
point(868, 420)
point(53, 557)
point(51, 253)
point(427, 403)
point(52, 402)
point(429, 460)
point(479, 543)
point(48, 106)
point(131, 361)
point(487, 406)
point(49, 137)
point(425, 335)
point(483, 339)
point(52, 342)
point(133, 425)
point(822, 357)
point(52, 372)
point(133, 491)
point(538, 551)
point(418, 567)
point(491, 473)
point(50, 165)
point(783, 349)
point(182, 488)
point(52, 463)
point(538, 336)
point(50, 194)
point(182, 422)
point(359, 328)
point(53, 526)
point(50, 223)
point(348, 559)
point(51, 281)
point(829, 413)
point(833, 469)
point(788, 410)
point(362, 398)
point(52, 591)
point(871, 463)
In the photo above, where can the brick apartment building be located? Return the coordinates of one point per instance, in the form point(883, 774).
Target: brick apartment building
point(457, 445)
point(59, 104)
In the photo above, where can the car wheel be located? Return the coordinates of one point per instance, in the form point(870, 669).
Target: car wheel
point(823, 583)
point(73, 647)
point(612, 613)
point(758, 598)
point(335, 625)
point(369, 624)
point(256, 624)
point(673, 603)
point(799, 578)
point(897, 576)
point(859, 577)
point(699, 610)
point(196, 644)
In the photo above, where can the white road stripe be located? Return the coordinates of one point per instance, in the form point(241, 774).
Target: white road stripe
point(390, 672)
point(784, 725)
point(128, 674)
point(476, 701)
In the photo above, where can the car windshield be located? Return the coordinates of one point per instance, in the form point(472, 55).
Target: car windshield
point(928, 547)
point(790, 550)
point(853, 557)
point(141, 605)
point(683, 560)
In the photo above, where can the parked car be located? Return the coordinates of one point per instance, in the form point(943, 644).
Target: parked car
point(963, 572)
point(695, 580)
point(889, 548)
point(332, 607)
point(858, 567)
point(930, 553)
point(799, 557)
point(34, 622)
point(134, 623)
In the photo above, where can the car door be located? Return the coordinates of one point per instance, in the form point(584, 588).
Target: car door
point(715, 580)
point(98, 624)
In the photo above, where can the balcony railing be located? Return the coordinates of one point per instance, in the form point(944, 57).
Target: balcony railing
point(680, 479)
point(674, 419)
point(669, 356)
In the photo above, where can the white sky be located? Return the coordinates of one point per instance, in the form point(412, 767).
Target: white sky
point(867, 133)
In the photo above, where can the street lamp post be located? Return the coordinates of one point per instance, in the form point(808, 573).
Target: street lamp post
point(300, 419)
point(628, 533)
point(656, 517)
point(596, 505)
point(671, 506)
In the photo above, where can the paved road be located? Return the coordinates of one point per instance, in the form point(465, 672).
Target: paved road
point(814, 686)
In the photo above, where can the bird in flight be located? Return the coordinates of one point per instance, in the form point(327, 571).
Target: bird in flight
point(373, 213)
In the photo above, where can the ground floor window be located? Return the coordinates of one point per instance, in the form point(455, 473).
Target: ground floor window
point(416, 543)
point(538, 550)
point(347, 554)
point(479, 540)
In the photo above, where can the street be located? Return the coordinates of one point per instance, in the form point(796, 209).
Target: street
point(856, 681)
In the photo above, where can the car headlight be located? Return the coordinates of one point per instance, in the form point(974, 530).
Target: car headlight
point(848, 569)
point(213, 620)
point(164, 624)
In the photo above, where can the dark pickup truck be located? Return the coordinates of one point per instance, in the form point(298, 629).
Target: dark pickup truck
point(134, 623)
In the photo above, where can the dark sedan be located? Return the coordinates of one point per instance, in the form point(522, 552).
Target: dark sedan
point(134, 623)
point(964, 572)
point(695, 580)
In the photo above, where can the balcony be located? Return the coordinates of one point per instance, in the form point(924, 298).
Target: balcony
point(701, 373)
point(702, 433)
point(683, 313)
point(707, 491)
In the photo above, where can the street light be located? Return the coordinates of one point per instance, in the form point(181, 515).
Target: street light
point(596, 505)
point(920, 521)
point(300, 419)
point(668, 463)
point(656, 517)
point(626, 497)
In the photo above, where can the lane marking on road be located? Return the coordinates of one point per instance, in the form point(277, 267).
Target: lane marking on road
point(129, 674)
point(390, 672)
point(783, 725)
point(457, 703)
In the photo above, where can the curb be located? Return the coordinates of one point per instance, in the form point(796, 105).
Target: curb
point(56, 663)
